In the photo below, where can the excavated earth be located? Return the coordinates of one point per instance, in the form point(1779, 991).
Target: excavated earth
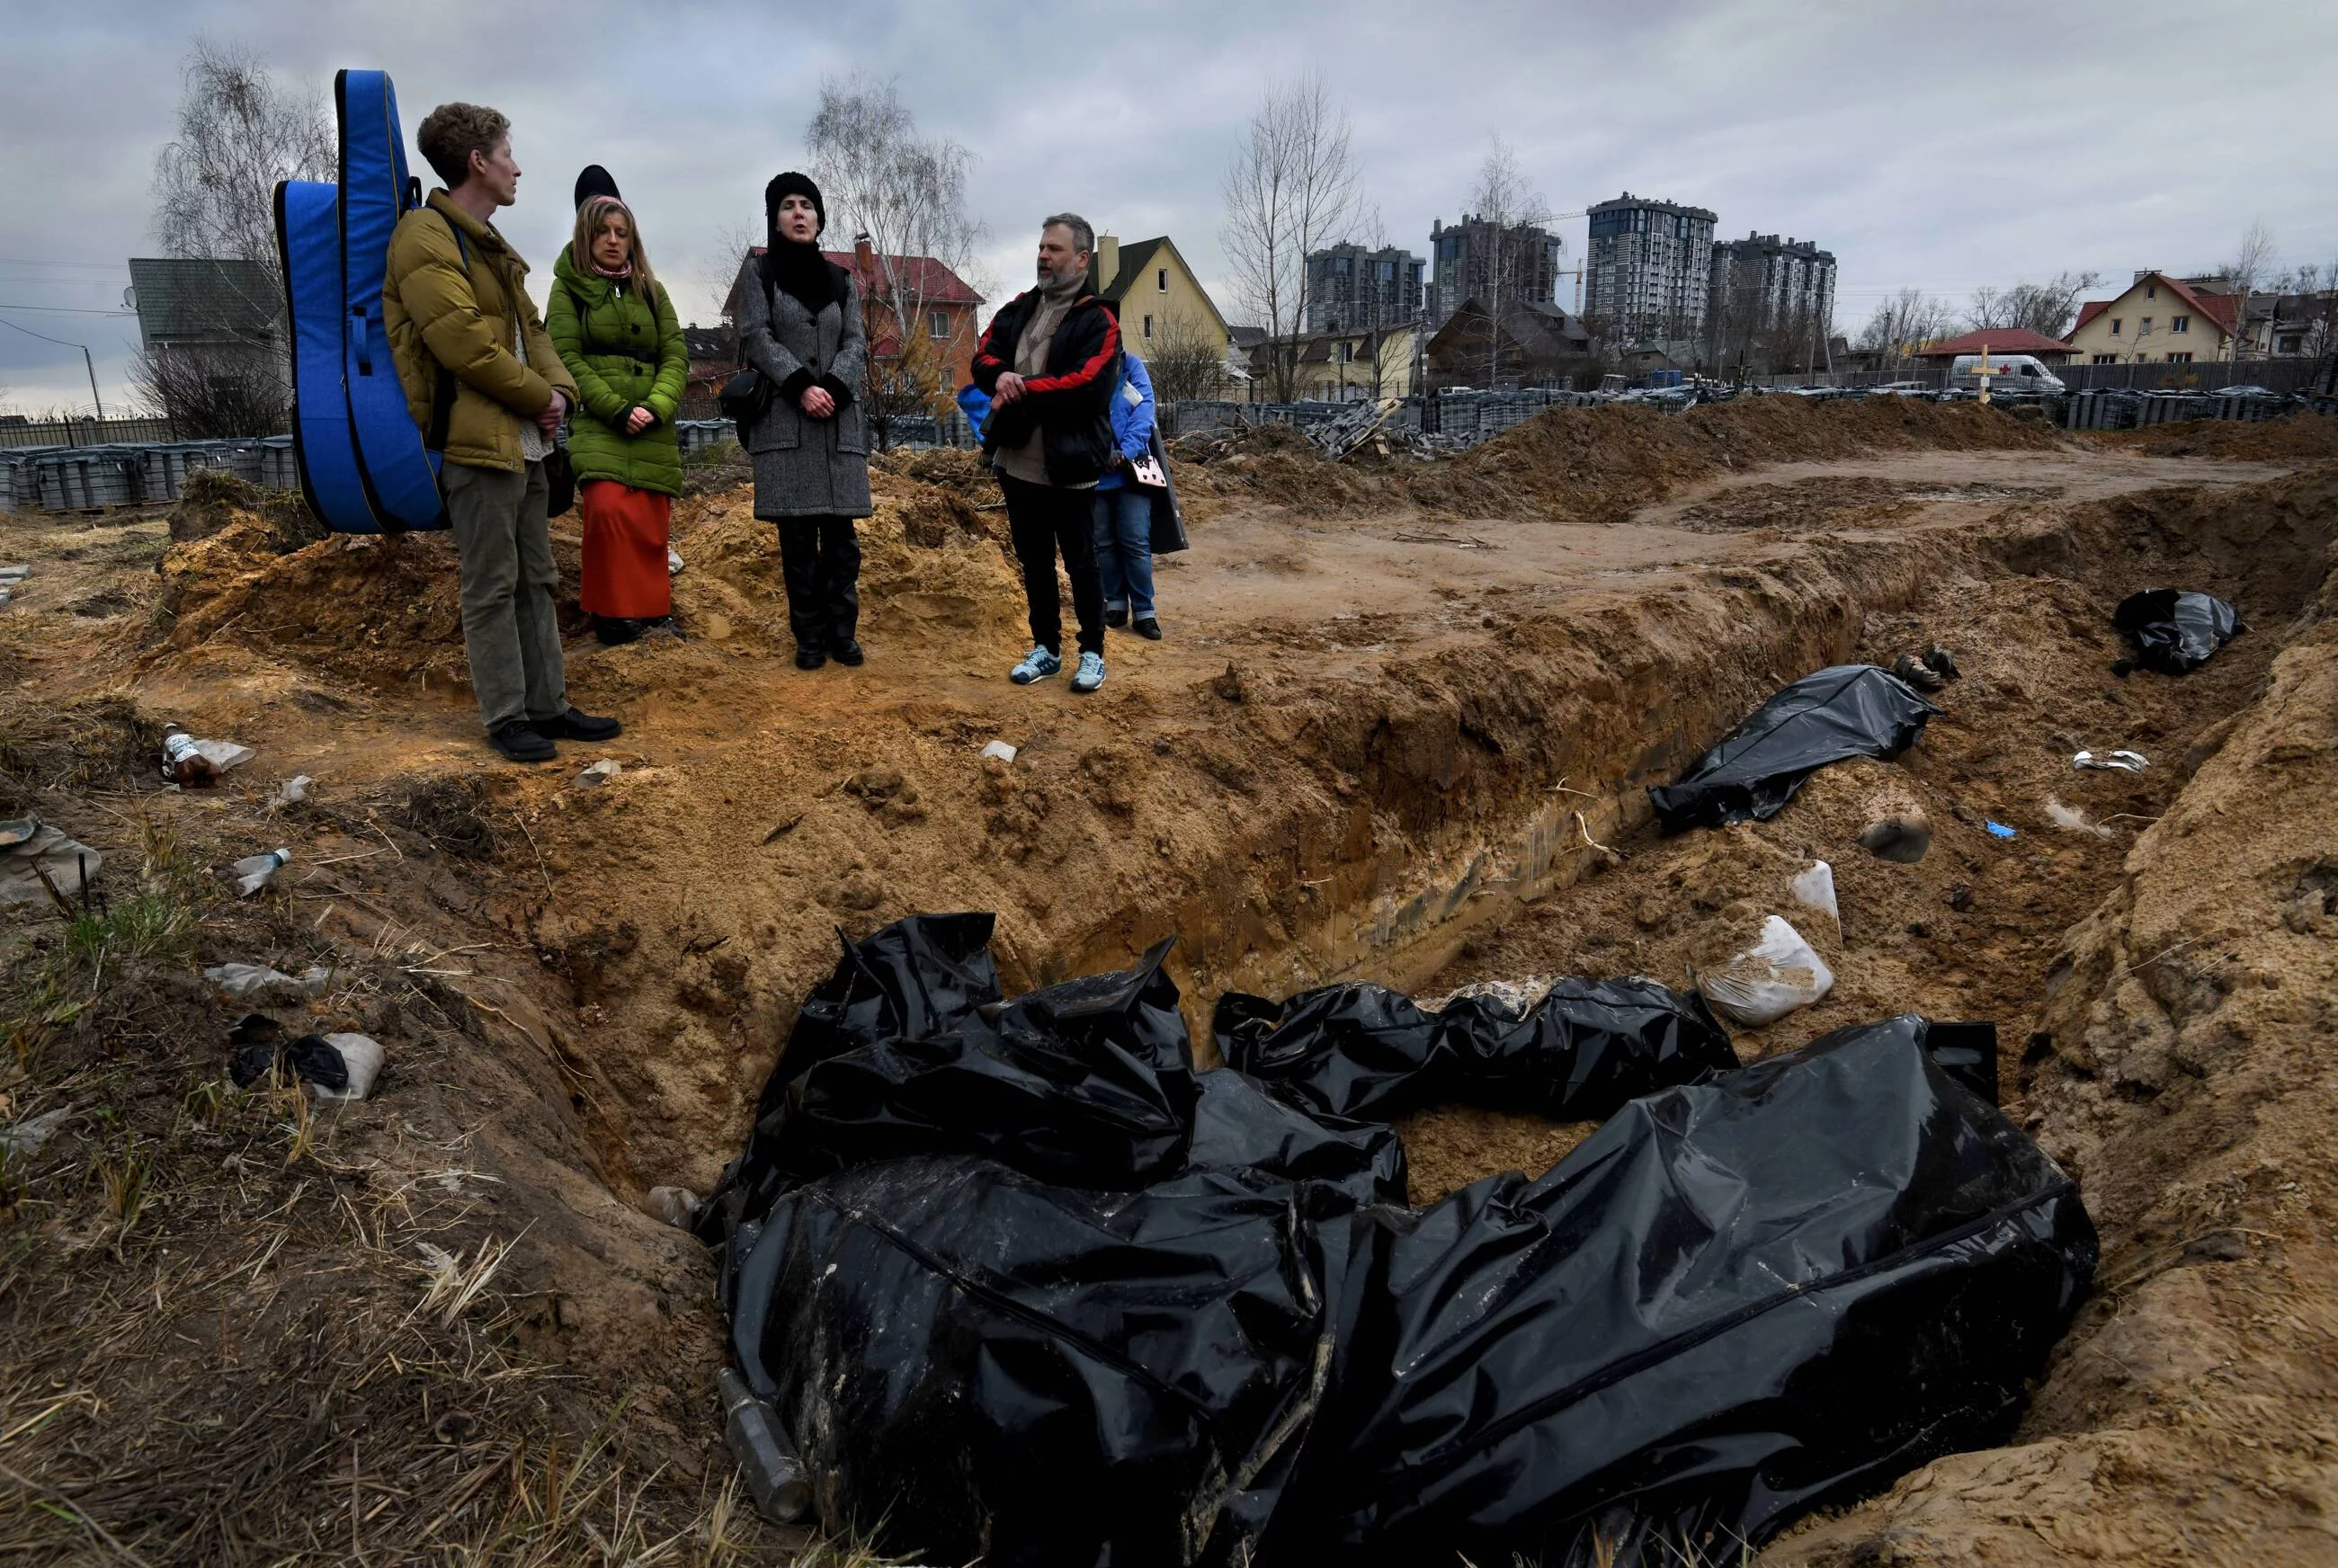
point(1401, 729)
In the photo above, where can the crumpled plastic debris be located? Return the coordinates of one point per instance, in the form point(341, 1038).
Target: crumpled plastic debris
point(1999, 830)
point(27, 1137)
point(2071, 820)
point(1843, 711)
point(1779, 974)
point(292, 791)
point(244, 981)
point(1000, 750)
point(1364, 1051)
point(225, 754)
point(254, 872)
point(2112, 761)
point(1814, 888)
point(601, 772)
point(339, 1066)
point(29, 847)
point(673, 562)
point(2175, 631)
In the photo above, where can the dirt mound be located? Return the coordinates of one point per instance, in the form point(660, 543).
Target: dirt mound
point(2300, 436)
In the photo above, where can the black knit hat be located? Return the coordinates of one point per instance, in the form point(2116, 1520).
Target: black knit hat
point(595, 181)
point(792, 184)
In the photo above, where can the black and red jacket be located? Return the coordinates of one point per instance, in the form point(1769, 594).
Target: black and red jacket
point(1070, 399)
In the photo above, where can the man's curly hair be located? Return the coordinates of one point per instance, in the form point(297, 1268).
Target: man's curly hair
point(452, 132)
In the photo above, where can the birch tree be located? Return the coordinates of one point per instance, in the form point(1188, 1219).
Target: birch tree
point(1514, 215)
point(1289, 189)
point(906, 192)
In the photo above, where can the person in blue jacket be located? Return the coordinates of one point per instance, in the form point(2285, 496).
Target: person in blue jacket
point(1124, 508)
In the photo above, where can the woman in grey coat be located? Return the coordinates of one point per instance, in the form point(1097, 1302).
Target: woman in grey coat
point(800, 325)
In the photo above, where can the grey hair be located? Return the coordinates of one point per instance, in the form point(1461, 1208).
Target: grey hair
point(1083, 236)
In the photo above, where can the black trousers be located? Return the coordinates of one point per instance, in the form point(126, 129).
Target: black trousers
point(1044, 519)
point(821, 558)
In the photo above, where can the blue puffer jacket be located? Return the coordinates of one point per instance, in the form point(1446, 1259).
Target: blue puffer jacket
point(1131, 418)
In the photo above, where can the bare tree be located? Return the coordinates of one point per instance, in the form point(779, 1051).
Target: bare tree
point(241, 133)
point(2249, 264)
point(1183, 360)
point(2047, 308)
point(1903, 323)
point(1513, 215)
point(1289, 189)
point(906, 192)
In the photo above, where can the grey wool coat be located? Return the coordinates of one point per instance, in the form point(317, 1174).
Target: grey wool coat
point(806, 467)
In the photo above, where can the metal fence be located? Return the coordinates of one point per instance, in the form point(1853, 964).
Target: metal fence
point(15, 435)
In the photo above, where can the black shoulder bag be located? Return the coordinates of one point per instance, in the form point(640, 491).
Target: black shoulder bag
point(746, 396)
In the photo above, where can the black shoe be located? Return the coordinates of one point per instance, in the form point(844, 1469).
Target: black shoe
point(520, 741)
point(809, 658)
point(664, 626)
point(1149, 628)
point(848, 653)
point(614, 632)
point(1115, 619)
point(574, 726)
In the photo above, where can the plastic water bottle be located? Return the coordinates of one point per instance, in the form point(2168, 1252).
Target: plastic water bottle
point(774, 1479)
point(254, 872)
point(183, 763)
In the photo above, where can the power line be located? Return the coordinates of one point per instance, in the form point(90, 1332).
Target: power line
point(66, 310)
point(43, 336)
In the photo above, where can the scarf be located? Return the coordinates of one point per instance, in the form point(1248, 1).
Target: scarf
point(801, 270)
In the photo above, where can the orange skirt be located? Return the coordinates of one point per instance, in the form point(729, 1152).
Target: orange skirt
point(625, 575)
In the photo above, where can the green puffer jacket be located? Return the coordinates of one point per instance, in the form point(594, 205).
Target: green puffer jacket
point(623, 355)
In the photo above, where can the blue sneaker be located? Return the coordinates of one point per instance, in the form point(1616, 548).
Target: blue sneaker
point(1090, 674)
point(1037, 665)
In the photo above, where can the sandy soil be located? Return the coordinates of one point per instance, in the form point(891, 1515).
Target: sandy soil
point(1361, 752)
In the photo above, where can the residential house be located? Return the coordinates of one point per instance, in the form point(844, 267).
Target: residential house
point(2158, 319)
point(2290, 326)
point(1997, 341)
point(713, 359)
point(1159, 299)
point(1537, 343)
point(941, 303)
point(214, 351)
point(1333, 366)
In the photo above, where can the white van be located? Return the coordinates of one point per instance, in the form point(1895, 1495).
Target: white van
point(2007, 372)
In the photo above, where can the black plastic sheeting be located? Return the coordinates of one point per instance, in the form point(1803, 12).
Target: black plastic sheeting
point(1577, 1054)
point(1843, 711)
point(1742, 1297)
point(2175, 631)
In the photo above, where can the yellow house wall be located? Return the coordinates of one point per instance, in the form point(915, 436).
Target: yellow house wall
point(2204, 341)
point(1184, 298)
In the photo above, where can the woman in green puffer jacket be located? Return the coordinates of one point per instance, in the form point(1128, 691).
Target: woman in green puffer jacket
point(617, 332)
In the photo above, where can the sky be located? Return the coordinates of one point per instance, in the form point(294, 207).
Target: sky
point(1935, 144)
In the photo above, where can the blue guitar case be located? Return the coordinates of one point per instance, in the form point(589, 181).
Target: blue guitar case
point(308, 247)
point(400, 477)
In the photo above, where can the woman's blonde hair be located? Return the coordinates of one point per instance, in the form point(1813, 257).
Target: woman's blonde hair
point(590, 218)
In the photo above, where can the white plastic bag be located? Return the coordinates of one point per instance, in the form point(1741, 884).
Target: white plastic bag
point(1815, 888)
point(1770, 979)
point(361, 1054)
point(246, 980)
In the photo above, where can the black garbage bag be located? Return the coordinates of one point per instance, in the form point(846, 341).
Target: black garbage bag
point(973, 1363)
point(1737, 1301)
point(1844, 710)
point(1239, 1126)
point(1089, 1083)
point(2175, 631)
point(1367, 1053)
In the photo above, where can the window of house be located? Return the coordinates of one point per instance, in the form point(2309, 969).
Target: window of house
point(2179, 323)
point(1347, 353)
point(2115, 325)
point(1162, 277)
point(2179, 358)
point(2105, 359)
point(2291, 345)
point(938, 325)
point(2144, 326)
point(1149, 326)
point(2151, 291)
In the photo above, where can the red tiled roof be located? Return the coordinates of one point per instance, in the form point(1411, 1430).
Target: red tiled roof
point(2216, 308)
point(2002, 340)
point(928, 278)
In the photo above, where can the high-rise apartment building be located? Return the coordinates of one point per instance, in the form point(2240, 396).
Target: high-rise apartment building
point(1495, 264)
point(1350, 288)
point(1649, 269)
point(1772, 302)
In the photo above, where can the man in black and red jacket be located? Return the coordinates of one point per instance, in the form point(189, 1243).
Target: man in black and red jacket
point(1049, 362)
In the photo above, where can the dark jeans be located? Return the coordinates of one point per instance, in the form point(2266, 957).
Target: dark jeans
point(1044, 519)
point(1124, 542)
point(821, 558)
